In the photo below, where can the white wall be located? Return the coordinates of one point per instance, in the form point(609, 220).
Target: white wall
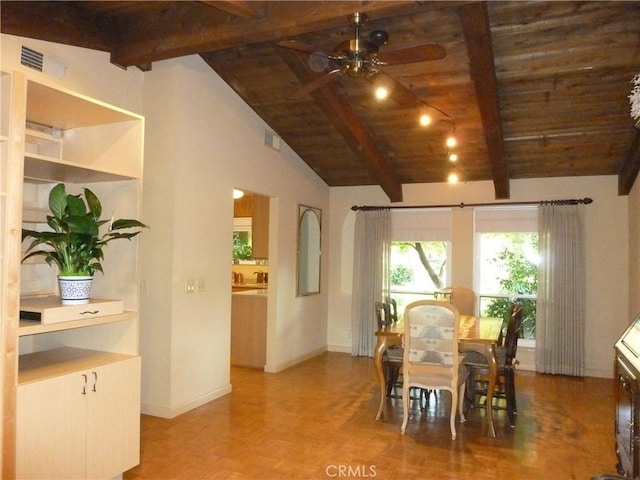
point(201, 142)
point(606, 239)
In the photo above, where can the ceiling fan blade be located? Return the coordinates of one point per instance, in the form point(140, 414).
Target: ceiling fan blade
point(315, 84)
point(421, 53)
point(400, 94)
point(300, 47)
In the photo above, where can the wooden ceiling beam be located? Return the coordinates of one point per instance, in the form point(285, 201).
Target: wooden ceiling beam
point(282, 20)
point(57, 22)
point(475, 24)
point(346, 121)
point(630, 167)
point(240, 9)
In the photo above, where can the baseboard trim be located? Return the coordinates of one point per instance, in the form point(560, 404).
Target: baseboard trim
point(275, 368)
point(172, 412)
point(339, 348)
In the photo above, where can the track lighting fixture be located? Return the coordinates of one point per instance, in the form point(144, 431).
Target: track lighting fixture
point(451, 141)
point(425, 118)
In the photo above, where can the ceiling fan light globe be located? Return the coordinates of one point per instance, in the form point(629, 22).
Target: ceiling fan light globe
point(318, 62)
point(381, 93)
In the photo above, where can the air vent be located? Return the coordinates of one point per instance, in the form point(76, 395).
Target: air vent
point(32, 59)
point(271, 140)
point(42, 63)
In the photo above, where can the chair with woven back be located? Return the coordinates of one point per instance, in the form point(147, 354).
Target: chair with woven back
point(506, 359)
point(431, 360)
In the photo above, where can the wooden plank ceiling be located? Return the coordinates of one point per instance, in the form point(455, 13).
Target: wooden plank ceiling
point(533, 89)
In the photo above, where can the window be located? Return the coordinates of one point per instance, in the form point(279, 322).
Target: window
point(506, 267)
point(242, 250)
point(418, 269)
point(420, 253)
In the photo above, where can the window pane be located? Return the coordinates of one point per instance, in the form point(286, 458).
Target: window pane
point(508, 272)
point(508, 263)
point(417, 270)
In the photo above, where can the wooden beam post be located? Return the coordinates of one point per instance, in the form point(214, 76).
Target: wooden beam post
point(475, 23)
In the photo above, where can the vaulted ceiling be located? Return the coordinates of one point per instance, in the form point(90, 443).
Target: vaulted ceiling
point(533, 89)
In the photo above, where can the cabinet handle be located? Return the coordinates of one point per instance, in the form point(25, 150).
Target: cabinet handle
point(84, 386)
point(90, 312)
point(629, 424)
point(95, 381)
point(623, 381)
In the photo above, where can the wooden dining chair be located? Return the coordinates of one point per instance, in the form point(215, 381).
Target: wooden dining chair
point(431, 360)
point(393, 357)
point(506, 359)
point(393, 308)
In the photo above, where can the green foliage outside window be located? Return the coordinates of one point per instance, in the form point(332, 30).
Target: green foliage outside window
point(241, 246)
point(521, 279)
point(401, 275)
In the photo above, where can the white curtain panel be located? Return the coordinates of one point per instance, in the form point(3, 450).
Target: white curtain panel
point(561, 291)
point(370, 276)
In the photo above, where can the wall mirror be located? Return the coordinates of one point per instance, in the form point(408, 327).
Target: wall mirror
point(309, 230)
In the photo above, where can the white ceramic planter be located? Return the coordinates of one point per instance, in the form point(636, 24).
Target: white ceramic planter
point(74, 290)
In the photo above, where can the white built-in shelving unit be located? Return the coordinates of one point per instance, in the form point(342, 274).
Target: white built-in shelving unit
point(75, 399)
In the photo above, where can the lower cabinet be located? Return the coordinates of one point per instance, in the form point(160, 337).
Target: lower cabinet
point(84, 424)
point(249, 329)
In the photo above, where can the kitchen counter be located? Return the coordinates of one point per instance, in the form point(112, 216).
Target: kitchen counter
point(249, 286)
point(262, 292)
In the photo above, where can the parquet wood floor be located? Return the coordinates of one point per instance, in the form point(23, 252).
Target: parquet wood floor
point(315, 421)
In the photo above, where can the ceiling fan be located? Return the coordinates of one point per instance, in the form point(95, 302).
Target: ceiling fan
point(361, 57)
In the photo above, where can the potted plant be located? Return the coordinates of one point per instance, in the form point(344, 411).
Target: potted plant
point(75, 244)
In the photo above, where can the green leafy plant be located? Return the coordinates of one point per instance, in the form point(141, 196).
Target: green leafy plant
point(75, 244)
point(241, 249)
point(521, 279)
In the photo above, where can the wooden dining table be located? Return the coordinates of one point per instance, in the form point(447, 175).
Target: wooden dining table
point(477, 334)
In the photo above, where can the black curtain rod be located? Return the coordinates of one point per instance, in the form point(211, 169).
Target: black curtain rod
point(570, 201)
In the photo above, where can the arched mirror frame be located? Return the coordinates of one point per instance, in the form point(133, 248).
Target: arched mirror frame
point(308, 265)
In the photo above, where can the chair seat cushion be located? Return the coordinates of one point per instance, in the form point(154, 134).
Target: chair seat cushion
point(475, 359)
point(395, 353)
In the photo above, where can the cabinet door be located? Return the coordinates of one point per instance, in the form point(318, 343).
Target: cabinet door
point(51, 428)
point(113, 419)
